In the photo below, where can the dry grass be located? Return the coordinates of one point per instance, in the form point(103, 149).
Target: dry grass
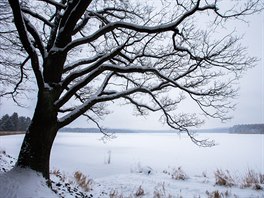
point(160, 191)
point(59, 175)
point(223, 178)
point(140, 192)
point(115, 194)
point(261, 178)
point(253, 179)
point(217, 194)
point(177, 174)
point(83, 181)
point(56, 172)
point(250, 180)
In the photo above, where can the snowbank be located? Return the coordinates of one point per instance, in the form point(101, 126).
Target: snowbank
point(24, 183)
point(18, 182)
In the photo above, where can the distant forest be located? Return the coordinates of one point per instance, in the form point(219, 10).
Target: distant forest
point(248, 128)
point(14, 122)
point(21, 123)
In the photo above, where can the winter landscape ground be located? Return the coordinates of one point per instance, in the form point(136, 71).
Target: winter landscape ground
point(140, 165)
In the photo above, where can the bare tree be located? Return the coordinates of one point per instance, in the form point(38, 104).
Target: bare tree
point(86, 53)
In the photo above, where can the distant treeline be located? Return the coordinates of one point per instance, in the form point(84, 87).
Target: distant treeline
point(14, 122)
point(21, 123)
point(248, 128)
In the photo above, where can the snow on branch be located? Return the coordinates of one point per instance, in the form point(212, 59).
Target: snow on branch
point(22, 31)
point(110, 26)
point(79, 62)
point(72, 14)
point(38, 16)
point(79, 26)
point(97, 99)
point(55, 3)
point(38, 42)
point(100, 59)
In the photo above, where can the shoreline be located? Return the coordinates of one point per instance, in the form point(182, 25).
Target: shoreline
point(3, 133)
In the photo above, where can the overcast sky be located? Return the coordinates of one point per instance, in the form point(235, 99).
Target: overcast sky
point(250, 105)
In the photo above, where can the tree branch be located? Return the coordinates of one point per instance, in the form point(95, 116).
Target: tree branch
point(72, 14)
point(39, 44)
point(93, 67)
point(38, 16)
point(138, 28)
point(55, 3)
point(22, 31)
point(80, 62)
point(13, 93)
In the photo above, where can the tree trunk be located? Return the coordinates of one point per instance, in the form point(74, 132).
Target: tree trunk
point(37, 143)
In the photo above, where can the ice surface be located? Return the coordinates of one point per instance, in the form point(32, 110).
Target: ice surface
point(85, 152)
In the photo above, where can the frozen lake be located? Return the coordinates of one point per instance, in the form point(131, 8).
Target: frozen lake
point(85, 152)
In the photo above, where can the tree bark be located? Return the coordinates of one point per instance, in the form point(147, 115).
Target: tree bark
point(37, 143)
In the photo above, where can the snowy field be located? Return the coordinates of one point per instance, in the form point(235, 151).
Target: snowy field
point(123, 163)
point(86, 152)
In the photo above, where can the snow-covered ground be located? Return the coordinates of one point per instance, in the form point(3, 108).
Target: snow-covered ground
point(141, 165)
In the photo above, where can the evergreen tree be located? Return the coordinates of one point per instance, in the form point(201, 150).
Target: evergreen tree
point(14, 120)
point(23, 123)
point(6, 123)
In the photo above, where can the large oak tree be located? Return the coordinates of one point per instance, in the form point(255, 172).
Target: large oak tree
point(153, 55)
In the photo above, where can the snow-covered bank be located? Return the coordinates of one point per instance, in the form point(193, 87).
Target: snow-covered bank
point(138, 165)
point(17, 182)
point(24, 183)
point(143, 182)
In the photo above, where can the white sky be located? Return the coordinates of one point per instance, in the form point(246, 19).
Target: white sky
point(250, 105)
